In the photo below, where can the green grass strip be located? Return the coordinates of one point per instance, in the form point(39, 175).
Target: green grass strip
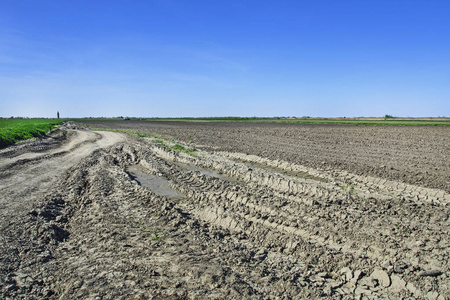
point(16, 130)
point(180, 148)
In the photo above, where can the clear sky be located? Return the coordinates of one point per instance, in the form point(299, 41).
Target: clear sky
point(171, 58)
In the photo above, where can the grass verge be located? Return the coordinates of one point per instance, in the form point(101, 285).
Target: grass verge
point(16, 130)
point(181, 148)
point(159, 139)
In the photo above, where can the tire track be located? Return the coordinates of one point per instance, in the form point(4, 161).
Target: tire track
point(244, 227)
point(378, 243)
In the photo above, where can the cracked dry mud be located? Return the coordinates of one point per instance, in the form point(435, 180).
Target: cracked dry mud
point(103, 215)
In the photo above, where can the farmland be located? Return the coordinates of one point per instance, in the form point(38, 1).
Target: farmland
point(387, 121)
point(190, 210)
point(15, 130)
point(413, 154)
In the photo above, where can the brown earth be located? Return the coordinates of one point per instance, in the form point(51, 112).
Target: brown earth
point(103, 215)
point(411, 154)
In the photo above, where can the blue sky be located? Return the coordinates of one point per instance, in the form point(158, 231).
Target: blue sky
point(170, 58)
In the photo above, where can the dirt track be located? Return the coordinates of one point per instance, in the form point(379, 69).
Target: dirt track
point(100, 214)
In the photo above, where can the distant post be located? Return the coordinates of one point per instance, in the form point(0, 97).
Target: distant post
point(57, 114)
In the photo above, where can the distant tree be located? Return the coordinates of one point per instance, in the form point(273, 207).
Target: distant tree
point(57, 114)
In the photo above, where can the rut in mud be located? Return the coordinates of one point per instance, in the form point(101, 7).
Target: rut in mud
point(411, 154)
point(139, 220)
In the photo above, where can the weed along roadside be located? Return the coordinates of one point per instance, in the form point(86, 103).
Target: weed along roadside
point(175, 212)
point(164, 142)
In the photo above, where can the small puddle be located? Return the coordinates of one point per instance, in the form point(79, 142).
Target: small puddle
point(207, 172)
point(300, 174)
point(157, 184)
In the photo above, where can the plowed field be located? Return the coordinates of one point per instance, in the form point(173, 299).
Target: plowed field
point(417, 154)
point(259, 211)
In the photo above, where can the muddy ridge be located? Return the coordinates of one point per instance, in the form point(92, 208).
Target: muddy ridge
point(128, 218)
point(411, 154)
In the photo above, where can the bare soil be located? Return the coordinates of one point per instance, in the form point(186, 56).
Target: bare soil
point(411, 154)
point(103, 215)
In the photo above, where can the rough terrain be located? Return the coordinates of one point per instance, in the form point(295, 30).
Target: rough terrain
point(103, 215)
point(411, 154)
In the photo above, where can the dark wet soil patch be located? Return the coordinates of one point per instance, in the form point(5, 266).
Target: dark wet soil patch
point(157, 184)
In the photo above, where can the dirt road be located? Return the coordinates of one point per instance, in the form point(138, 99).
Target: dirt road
point(109, 216)
point(28, 172)
point(32, 173)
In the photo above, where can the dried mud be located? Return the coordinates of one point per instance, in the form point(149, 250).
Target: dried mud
point(412, 154)
point(118, 217)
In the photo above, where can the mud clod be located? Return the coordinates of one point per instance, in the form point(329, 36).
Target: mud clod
point(432, 273)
